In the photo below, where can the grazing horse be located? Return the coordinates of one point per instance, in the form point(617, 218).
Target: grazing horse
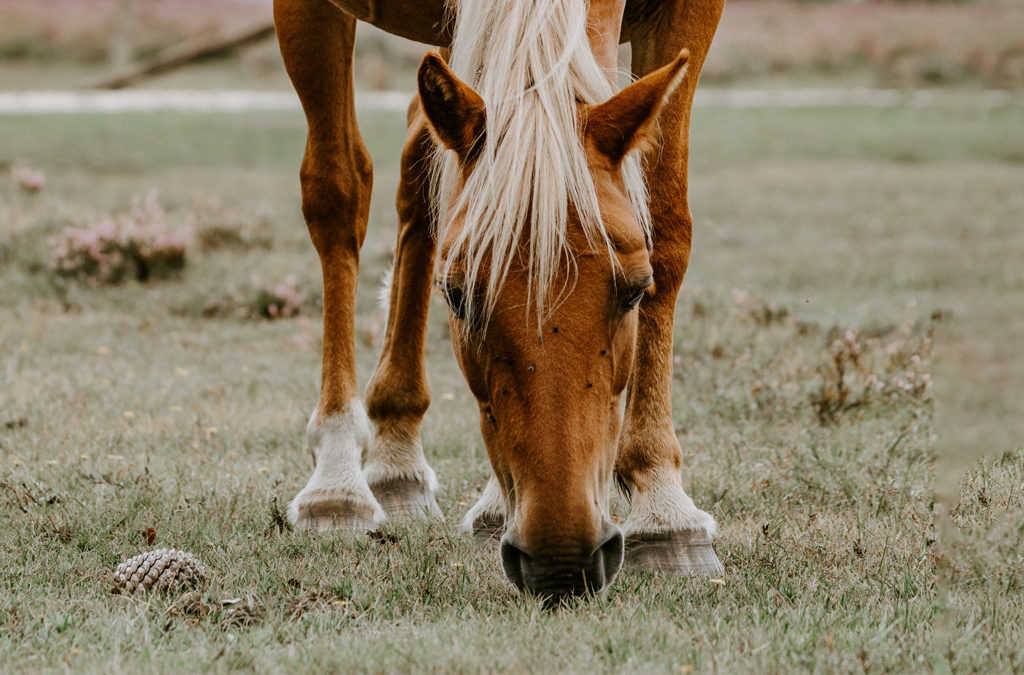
point(554, 220)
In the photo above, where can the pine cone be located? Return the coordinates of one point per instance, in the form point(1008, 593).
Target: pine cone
point(164, 569)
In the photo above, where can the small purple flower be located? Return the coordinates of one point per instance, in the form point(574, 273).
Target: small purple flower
point(27, 178)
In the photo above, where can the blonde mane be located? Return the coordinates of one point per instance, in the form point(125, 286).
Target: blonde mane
point(531, 62)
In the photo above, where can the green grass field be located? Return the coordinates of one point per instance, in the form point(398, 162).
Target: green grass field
point(883, 242)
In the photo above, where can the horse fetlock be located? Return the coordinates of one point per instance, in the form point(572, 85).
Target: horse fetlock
point(397, 472)
point(340, 438)
point(653, 514)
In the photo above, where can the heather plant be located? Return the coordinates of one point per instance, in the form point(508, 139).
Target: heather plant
point(279, 301)
point(861, 370)
point(216, 226)
point(134, 245)
point(28, 178)
point(248, 300)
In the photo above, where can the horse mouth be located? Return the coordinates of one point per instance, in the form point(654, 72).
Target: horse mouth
point(556, 575)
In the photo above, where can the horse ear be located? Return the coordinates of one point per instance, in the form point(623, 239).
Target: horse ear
point(456, 113)
point(626, 121)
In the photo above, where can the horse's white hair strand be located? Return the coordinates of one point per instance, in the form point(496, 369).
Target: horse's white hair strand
point(531, 62)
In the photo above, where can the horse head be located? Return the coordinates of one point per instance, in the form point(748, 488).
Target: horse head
point(550, 383)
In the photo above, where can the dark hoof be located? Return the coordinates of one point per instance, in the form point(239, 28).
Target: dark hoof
point(329, 510)
point(404, 499)
point(488, 528)
point(683, 552)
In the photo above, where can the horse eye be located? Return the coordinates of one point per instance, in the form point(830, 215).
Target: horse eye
point(456, 300)
point(635, 299)
point(638, 294)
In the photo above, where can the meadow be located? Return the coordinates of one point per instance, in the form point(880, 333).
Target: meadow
point(855, 271)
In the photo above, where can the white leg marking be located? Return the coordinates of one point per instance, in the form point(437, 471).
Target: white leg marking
point(665, 507)
point(384, 292)
point(399, 476)
point(337, 493)
point(392, 458)
point(490, 508)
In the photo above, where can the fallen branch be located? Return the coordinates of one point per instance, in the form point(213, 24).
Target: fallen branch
point(185, 53)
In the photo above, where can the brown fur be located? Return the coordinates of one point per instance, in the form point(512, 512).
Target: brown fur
point(455, 112)
point(549, 405)
point(626, 123)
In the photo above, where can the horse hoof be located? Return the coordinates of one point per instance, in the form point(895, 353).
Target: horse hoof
point(487, 528)
point(486, 519)
point(682, 552)
point(406, 499)
point(330, 510)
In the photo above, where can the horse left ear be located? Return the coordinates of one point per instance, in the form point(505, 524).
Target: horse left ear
point(456, 113)
point(626, 121)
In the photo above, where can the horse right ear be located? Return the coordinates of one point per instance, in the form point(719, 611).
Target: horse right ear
point(627, 121)
point(456, 113)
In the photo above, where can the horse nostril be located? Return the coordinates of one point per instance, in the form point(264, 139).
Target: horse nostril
point(512, 559)
point(556, 574)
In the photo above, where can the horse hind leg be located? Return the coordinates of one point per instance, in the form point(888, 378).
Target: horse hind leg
point(316, 43)
point(398, 394)
point(665, 531)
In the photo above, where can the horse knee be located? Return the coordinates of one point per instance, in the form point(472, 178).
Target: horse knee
point(336, 202)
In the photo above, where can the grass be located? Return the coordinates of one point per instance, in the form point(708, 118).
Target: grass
point(124, 408)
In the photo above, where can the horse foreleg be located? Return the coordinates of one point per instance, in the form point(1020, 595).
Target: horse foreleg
point(398, 394)
point(665, 530)
point(486, 520)
point(336, 175)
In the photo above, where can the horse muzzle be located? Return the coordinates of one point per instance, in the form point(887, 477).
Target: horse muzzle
point(555, 573)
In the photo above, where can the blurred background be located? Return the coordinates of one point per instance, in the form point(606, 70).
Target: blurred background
point(874, 43)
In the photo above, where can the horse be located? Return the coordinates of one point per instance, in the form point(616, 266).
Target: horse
point(552, 217)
